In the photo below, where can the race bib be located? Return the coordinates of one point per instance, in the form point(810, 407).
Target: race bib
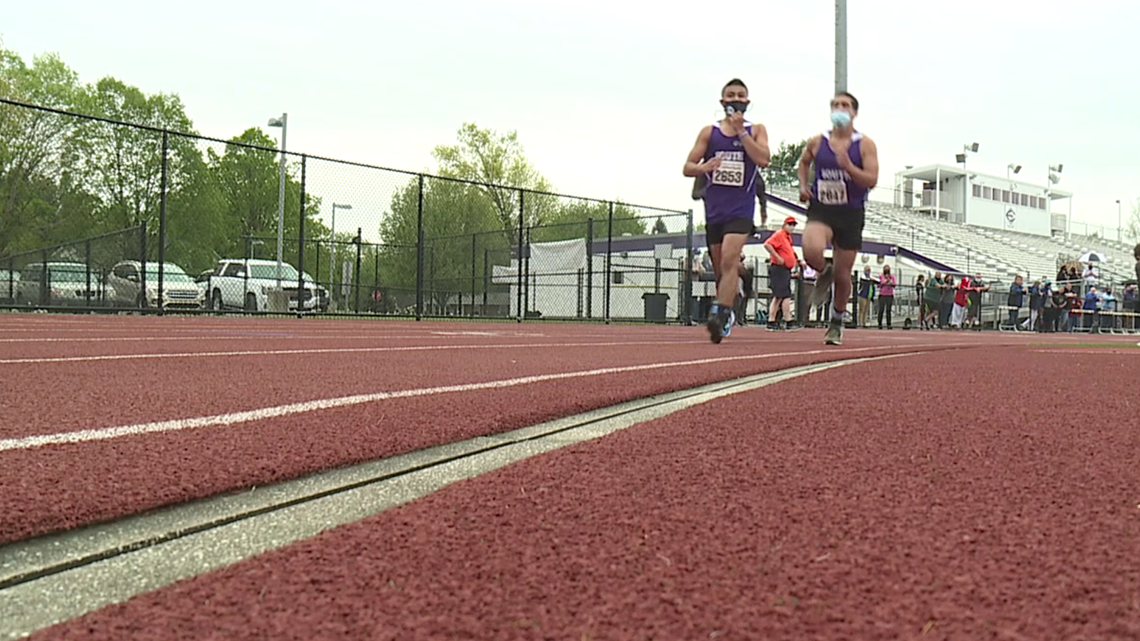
point(832, 192)
point(729, 174)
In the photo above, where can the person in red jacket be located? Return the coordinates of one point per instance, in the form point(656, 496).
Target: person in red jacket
point(783, 260)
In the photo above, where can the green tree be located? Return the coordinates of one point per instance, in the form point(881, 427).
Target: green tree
point(784, 168)
point(41, 200)
point(122, 164)
point(493, 158)
point(237, 208)
point(659, 227)
point(570, 220)
point(453, 214)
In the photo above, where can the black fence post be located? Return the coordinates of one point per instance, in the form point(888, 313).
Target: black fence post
point(162, 225)
point(609, 260)
point(689, 264)
point(45, 282)
point(142, 262)
point(420, 252)
point(356, 275)
point(486, 277)
point(474, 261)
point(526, 291)
point(589, 268)
point(87, 262)
point(12, 281)
point(519, 263)
point(301, 249)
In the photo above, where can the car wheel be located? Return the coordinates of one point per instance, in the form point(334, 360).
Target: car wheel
point(251, 302)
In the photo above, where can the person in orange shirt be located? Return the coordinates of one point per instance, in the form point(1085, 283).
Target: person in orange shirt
point(779, 246)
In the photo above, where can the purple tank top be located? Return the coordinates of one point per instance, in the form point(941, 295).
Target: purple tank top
point(834, 186)
point(731, 191)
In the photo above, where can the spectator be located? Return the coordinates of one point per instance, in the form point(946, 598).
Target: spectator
point(947, 303)
point(1136, 304)
point(866, 295)
point(1107, 307)
point(1091, 275)
point(783, 260)
point(1036, 303)
point(961, 302)
point(1070, 301)
point(1053, 300)
point(974, 309)
point(887, 284)
point(1090, 318)
point(762, 197)
point(931, 301)
point(1130, 306)
point(1016, 300)
point(744, 291)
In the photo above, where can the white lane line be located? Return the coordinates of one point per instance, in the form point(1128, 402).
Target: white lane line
point(329, 350)
point(175, 425)
point(249, 337)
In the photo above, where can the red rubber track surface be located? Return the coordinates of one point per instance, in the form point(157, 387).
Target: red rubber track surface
point(57, 487)
point(976, 506)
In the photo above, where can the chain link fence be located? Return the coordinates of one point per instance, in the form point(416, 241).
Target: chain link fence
point(158, 221)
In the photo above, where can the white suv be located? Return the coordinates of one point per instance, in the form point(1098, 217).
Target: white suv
point(246, 283)
point(178, 290)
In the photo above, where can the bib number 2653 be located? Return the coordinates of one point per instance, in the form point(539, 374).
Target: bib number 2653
point(730, 173)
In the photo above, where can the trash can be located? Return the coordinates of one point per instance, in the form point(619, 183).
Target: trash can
point(655, 306)
point(277, 301)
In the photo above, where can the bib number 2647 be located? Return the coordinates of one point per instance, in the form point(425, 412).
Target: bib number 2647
point(832, 192)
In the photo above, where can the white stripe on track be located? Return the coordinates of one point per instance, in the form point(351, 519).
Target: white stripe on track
point(177, 425)
point(329, 350)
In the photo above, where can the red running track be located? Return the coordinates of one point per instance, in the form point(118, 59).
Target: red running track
point(1010, 516)
point(54, 487)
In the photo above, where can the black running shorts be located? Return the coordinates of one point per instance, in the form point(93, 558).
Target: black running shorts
point(715, 232)
point(846, 223)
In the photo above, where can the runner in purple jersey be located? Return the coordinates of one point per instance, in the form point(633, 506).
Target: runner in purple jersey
point(846, 169)
point(728, 153)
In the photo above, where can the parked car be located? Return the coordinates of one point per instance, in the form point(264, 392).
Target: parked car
point(178, 290)
point(9, 286)
point(62, 283)
point(247, 283)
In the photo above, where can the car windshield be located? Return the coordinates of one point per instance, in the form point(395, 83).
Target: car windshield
point(288, 272)
point(69, 274)
point(171, 274)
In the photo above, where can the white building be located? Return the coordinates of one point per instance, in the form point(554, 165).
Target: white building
point(1000, 202)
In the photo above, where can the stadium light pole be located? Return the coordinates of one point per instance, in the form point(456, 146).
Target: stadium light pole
point(1054, 178)
point(840, 46)
point(332, 243)
point(1119, 223)
point(283, 123)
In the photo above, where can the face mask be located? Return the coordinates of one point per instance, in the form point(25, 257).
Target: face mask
point(733, 107)
point(840, 119)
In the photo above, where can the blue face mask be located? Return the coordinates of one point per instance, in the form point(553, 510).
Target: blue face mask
point(840, 119)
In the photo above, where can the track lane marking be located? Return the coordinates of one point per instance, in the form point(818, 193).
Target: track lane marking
point(232, 418)
point(329, 350)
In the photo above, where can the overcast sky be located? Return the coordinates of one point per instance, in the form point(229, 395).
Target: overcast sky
point(608, 96)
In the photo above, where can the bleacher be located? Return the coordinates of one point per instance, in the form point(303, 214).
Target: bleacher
point(998, 255)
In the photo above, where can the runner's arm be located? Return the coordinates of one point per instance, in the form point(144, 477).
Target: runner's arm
point(868, 175)
point(758, 147)
point(697, 154)
point(805, 160)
